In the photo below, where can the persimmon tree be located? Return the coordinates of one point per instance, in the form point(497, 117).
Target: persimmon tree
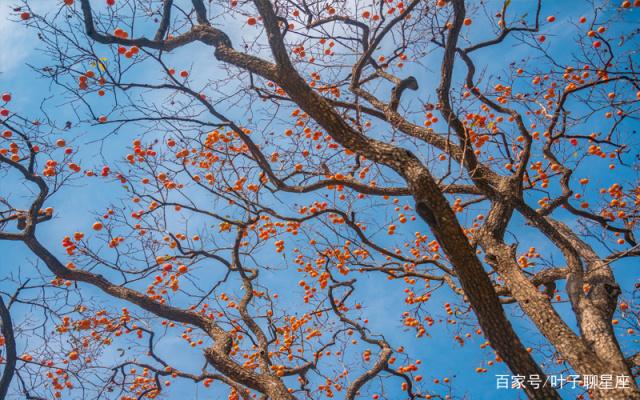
point(281, 152)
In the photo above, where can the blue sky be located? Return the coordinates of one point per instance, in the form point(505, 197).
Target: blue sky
point(441, 355)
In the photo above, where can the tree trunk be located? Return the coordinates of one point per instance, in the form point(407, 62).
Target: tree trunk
point(434, 209)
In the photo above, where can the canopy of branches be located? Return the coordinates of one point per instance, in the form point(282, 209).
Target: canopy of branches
point(316, 199)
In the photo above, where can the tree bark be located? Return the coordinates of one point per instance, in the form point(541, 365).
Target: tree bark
point(436, 212)
point(10, 347)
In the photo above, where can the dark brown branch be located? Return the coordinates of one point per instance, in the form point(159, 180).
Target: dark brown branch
point(10, 348)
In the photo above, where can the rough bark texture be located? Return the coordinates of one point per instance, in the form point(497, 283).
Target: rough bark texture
point(10, 346)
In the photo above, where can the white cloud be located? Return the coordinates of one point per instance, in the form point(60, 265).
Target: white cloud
point(15, 45)
point(17, 42)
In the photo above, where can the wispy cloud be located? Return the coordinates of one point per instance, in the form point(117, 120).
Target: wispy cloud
point(15, 44)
